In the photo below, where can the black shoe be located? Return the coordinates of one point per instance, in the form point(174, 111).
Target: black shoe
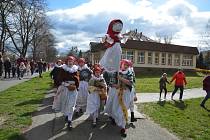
point(77, 114)
point(80, 111)
point(122, 132)
point(66, 118)
point(202, 106)
point(112, 121)
point(69, 126)
point(133, 119)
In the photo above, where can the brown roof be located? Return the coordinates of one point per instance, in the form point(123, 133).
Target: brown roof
point(149, 46)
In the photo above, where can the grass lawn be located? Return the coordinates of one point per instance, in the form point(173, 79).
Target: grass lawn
point(187, 120)
point(151, 84)
point(18, 103)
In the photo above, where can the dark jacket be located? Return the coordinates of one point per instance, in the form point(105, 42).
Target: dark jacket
point(163, 82)
point(7, 65)
point(54, 75)
point(206, 83)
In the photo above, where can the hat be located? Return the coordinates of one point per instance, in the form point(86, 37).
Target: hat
point(97, 69)
point(70, 58)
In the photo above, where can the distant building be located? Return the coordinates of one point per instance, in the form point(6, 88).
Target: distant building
point(146, 54)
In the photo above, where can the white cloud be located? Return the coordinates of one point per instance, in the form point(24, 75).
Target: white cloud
point(82, 24)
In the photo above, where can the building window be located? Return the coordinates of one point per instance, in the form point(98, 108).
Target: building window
point(141, 57)
point(156, 58)
point(187, 60)
point(177, 60)
point(123, 55)
point(149, 57)
point(163, 59)
point(170, 59)
point(128, 55)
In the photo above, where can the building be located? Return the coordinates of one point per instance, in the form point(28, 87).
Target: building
point(146, 54)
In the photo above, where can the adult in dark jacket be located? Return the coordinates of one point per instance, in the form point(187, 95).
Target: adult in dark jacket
point(7, 67)
point(206, 87)
point(40, 67)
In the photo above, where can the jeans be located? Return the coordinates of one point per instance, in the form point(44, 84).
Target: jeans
point(181, 91)
point(206, 98)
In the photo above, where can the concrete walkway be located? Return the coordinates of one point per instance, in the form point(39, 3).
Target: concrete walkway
point(7, 83)
point(154, 97)
point(49, 125)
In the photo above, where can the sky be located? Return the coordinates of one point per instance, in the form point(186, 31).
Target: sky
point(78, 22)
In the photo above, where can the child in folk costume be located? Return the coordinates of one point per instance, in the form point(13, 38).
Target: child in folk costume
point(97, 92)
point(124, 97)
point(66, 96)
point(85, 75)
point(133, 92)
point(111, 59)
point(55, 72)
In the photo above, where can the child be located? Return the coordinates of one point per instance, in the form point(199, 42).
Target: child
point(97, 89)
point(111, 59)
point(85, 75)
point(163, 80)
point(22, 69)
point(66, 96)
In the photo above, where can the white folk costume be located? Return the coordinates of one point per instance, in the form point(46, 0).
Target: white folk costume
point(65, 99)
point(119, 100)
point(112, 56)
point(97, 92)
point(85, 75)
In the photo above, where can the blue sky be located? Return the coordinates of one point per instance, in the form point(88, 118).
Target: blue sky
point(77, 22)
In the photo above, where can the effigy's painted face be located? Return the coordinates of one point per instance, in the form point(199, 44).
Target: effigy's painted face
point(97, 73)
point(117, 27)
point(81, 64)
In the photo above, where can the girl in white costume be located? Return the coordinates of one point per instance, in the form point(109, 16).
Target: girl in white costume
point(85, 75)
point(65, 99)
point(97, 88)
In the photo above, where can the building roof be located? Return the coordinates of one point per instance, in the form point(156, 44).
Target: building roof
point(149, 46)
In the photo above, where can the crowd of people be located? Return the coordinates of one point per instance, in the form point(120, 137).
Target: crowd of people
point(17, 68)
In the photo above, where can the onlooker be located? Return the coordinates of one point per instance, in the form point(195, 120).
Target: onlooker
point(19, 60)
point(206, 87)
point(14, 66)
point(180, 81)
point(28, 68)
point(1, 65)
point(40, 67)
point(32, 64)
point(7, 67)
point(22, 69)
point(162, 82)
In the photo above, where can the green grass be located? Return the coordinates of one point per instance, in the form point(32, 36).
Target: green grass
point(187, 120)
point(17, 105)
point(147, 84)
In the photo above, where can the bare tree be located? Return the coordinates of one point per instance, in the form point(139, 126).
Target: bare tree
point(6, 7)
point(21, 25)
point(167, 37)
point(205, 41)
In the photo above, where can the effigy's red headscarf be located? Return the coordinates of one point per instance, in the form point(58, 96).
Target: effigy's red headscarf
point(112, 33)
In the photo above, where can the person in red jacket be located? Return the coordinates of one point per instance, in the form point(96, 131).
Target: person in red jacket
point(206, 87)
point(180, 81)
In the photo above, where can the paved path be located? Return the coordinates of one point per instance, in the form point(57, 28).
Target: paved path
point(49, 125)
point(188, 94)
point(7, 83)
